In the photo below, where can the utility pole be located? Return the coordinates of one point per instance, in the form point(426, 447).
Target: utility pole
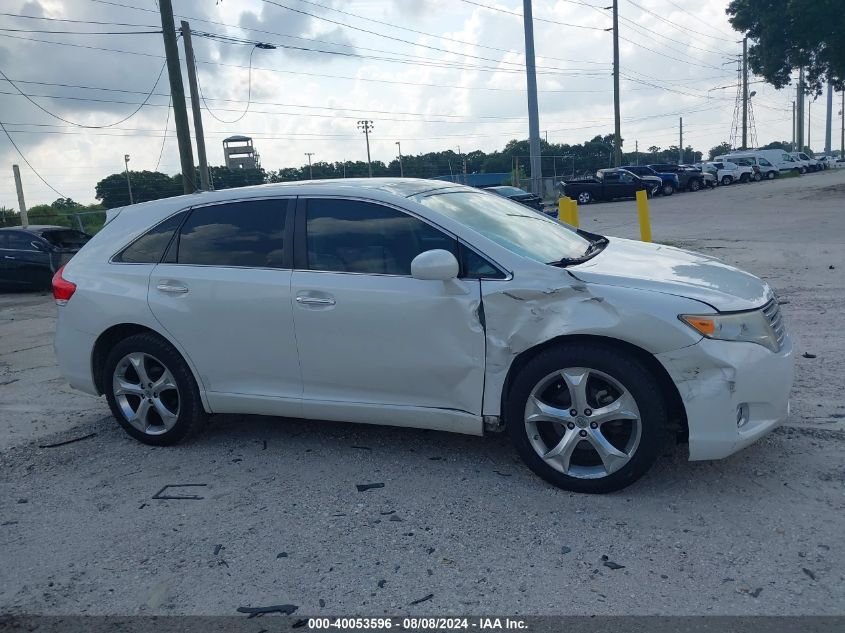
point(617, 124)
point(842, 139)
point(793, 126)
point(828, 127)
point(533, 108)
point(744, 93)
point(799, 119)
point(177, 91)
point(205, 185)
point(367, 127)
point(21, 203)
point(310, 172)
point(637, 152)
point(401, 171)
point(809, 121)
point(128, 180)
point(681, 142)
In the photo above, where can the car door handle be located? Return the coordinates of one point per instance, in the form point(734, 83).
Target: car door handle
point(8, 257)
point(315, 301)
point(172, 288)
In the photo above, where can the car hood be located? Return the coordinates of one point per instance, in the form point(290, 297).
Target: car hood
point(670, 270)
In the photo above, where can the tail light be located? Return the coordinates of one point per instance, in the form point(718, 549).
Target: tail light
point(62, 288)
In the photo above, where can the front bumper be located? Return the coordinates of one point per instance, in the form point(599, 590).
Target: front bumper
point(715, 378)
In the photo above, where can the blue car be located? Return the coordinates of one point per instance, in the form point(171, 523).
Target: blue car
point(671, 183)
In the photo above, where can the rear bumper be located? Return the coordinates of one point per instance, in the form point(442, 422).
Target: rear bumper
point(716, 378)
point(74, 350)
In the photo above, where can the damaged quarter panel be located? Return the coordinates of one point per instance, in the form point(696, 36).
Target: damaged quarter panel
point(548, 302)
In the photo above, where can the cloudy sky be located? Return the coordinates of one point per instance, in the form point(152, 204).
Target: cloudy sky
point(433, 74)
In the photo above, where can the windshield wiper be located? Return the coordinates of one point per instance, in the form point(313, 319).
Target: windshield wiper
point(596, 246)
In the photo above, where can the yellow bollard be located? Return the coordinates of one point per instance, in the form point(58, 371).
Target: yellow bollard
point(573, 212)
point(642, 212)
point(563, 209)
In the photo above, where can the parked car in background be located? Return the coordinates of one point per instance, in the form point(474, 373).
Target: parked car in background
point(708, 178)
point(517, 195)
point(424, 304)
point(29, 257)
point(804, 162)
point(728, 173)
point(669, 181)
point(609, 184)
point(689, 179)
point(826, 162)
point(781, 159)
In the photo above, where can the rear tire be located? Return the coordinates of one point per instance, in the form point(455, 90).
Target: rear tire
point(151, 391)
point(758, 177)
point(668, 190)
point(771, 175)
point(606, 457)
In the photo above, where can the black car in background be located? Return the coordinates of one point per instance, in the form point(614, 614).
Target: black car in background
point(609, 184)
point(518, 195)
point(30, 257)
point(689, 179)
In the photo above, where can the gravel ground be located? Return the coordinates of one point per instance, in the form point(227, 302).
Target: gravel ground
point(459, 519)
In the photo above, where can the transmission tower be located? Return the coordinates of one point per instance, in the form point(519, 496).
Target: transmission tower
point(736, 124)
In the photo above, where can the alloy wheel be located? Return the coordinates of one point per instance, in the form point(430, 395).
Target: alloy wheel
point(584, 197)
point(583, 422)
point(146, 393)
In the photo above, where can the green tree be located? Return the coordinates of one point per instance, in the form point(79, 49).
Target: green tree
point(112, 190)
point(784, 145)
point(721, 148)
point(790, 34)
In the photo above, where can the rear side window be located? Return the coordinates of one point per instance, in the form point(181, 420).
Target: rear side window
point(66, 238)
point(244, 234)
point(362, 237)
point(149, 248)
point(18, 241)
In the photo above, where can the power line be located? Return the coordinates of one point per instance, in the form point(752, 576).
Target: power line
point(28, 164)
point(164, 136)
point(536, 19)
point(34, 17)
point(686, 28)
point(82, 32)
point(442, 37)
point(249, 92)
point(56, 116)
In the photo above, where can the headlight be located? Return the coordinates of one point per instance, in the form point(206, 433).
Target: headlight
point(750, 327)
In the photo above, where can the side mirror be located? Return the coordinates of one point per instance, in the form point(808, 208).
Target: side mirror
point(434, 265)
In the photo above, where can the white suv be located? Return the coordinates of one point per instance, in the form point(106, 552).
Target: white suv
point(424, 304)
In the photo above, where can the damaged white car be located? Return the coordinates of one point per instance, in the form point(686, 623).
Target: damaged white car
point(423, 304)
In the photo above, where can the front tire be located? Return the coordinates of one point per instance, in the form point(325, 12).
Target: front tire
point(771, 175)
point(585, 197)
point(151, 391)
point(694, 185)
point(758, 177)
point(668, 190)
point(617, 428)
point(726, 180)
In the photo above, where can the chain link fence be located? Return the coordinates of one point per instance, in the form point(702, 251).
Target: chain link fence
point(86, 221)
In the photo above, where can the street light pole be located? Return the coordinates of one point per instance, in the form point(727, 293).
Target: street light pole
point(401, 171)
point(367, 127)
point(310, 172)
point(128, 181)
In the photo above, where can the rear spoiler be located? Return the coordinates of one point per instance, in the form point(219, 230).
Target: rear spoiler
point(111, 214)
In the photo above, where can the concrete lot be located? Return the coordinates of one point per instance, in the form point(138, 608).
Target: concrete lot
point(280, 519)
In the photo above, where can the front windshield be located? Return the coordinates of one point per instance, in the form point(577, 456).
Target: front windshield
point(509, 224)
